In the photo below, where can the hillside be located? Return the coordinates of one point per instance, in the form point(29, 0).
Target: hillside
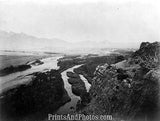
point(128, 90)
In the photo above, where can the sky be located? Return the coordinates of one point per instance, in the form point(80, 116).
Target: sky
point(116, 21)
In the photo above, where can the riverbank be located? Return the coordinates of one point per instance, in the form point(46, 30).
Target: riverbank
point(43, 95)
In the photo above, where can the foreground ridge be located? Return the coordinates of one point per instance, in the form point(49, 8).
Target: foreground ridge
point(129, 89)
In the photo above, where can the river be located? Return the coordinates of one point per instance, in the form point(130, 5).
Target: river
point(71, 106)
point(12, 80)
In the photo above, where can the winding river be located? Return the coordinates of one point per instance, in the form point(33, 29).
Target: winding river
point(12, 80)
point(74, 99)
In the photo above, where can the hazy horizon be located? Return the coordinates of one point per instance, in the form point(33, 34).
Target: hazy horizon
point(123, 23)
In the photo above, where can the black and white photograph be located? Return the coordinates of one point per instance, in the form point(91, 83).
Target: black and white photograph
point(79, 60)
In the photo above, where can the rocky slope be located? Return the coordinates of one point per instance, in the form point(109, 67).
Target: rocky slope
point(128, 90)
point(43, 95)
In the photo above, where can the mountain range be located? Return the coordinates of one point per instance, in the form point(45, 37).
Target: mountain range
point(21, 41)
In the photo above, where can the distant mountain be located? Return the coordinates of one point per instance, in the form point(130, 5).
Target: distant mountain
point(24, 42)
point(21, 41)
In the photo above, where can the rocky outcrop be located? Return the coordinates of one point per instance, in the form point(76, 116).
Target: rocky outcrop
point(13, 69)
point(44, 94)
point(128, 90)
point(148, 55)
